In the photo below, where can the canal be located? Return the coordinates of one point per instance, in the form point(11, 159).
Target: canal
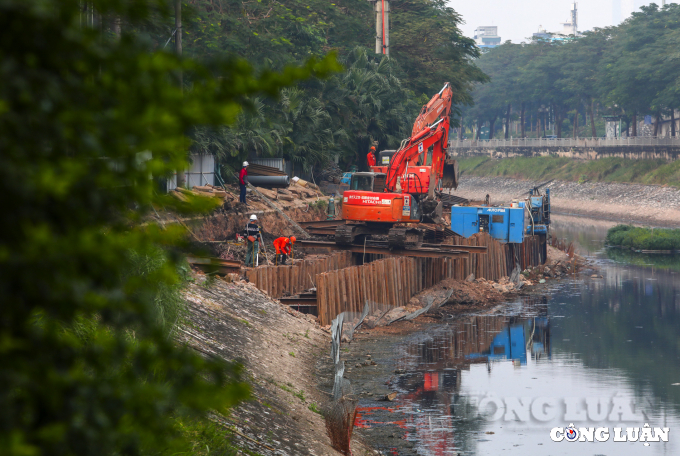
point(597, 353)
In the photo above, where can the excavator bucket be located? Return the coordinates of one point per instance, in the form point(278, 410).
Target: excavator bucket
point(433, 211)
point(451, 175)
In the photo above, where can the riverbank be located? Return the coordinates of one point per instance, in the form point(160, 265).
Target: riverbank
point(604, 170)
point(627, 203)
point(374, 359)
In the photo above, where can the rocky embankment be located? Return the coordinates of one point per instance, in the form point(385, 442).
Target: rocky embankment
point(279, 349)
point(628, 203)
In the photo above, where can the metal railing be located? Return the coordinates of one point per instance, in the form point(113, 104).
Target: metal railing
point(565, 142)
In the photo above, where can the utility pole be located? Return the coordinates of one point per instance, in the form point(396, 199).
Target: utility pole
point(178, 34)
point(382, 26)
point(181, 176)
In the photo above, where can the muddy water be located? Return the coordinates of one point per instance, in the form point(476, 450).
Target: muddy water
point(598, 353)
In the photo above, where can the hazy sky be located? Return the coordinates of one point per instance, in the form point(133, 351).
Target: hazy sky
point(518, 19)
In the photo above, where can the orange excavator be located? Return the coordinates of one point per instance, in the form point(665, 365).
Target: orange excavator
point(403, 189)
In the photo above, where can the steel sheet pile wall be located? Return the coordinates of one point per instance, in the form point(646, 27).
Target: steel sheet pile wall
point(279, 281)
point(529, 254)
point(493, 265)
point(392, 282)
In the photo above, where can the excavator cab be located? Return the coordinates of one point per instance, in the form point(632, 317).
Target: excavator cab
point(362, 182)
point(368, 182)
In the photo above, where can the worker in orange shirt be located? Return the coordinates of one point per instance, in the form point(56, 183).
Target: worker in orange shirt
point(284, 247)
point(370, 158)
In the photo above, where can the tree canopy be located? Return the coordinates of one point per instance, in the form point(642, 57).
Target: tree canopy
point(629, 70)
point(374, 99)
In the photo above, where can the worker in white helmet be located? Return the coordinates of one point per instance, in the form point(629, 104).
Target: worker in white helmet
point(254, 239)
point(243, 181)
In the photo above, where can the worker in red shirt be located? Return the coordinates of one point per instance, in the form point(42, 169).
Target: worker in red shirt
point(284, 247)
point(371, 157)
point(243, 181)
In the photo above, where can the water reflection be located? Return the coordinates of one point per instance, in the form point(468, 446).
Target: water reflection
point(615, 338)
point(440, 417)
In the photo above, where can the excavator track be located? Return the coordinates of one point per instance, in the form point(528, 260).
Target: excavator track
point(403, 237)
point(345, 234)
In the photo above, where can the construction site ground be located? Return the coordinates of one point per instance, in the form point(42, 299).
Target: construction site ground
point(216, 234)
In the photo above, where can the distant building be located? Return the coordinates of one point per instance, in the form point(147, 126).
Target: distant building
point(487, 36)
point(570, 27)
point(542, 34)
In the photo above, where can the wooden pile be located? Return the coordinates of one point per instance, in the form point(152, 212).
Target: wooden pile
point(289, 194)
point(279, 281)
point(210, 191)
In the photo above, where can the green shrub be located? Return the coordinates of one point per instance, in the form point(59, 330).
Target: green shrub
point(644, 238)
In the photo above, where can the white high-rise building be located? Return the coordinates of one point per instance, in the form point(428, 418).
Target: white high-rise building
point(570, 27)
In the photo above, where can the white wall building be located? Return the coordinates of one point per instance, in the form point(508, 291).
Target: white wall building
point(487, 36)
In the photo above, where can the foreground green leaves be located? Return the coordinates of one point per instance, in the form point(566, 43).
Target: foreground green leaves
point(88, 123)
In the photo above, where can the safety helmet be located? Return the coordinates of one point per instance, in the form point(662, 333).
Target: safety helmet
point(253, 217)
point(245, 164)
point(292, 239)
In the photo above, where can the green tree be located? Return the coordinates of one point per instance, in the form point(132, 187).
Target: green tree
point(85, 120)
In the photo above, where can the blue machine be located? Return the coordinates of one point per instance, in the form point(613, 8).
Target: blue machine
point(504, 224)
point(511, 343)
point(539, 208)
point(346, 178)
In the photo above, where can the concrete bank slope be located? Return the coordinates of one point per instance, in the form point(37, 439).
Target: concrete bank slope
point(627, 203)
point(280, 349)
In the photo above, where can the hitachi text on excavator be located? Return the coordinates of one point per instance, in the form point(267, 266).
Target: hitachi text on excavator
point(404, 187)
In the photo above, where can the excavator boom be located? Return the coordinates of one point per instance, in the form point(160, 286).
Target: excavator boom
point(417, 151)
point(438, 106)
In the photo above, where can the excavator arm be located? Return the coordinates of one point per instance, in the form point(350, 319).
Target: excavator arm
point(435, 136)
point(438, 106)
